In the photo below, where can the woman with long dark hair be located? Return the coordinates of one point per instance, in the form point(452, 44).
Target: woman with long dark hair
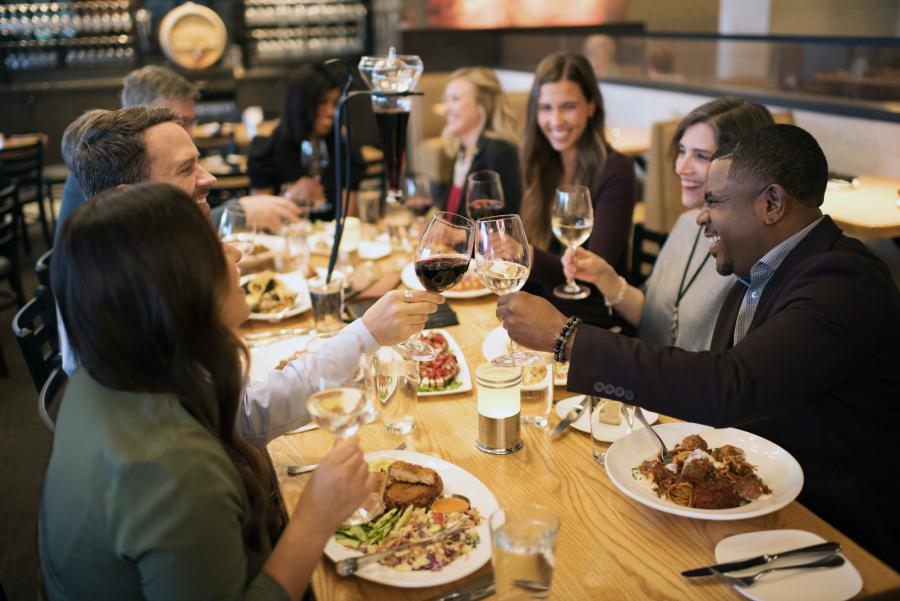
point(297, 160)
point(150, 492)
point(684, 292)
point(565, 143)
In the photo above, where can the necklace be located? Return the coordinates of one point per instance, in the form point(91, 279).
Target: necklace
point(682, 289)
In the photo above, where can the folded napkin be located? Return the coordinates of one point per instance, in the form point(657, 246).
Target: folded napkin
point(442, 318)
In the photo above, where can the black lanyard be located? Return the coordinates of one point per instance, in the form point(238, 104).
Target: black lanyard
point(682, 289)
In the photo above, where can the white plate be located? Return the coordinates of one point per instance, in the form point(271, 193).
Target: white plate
point(265, 358)
point(456, 481)
point(409, 279)
point(602, 431)
point(495, 344)
point(778, 469)
point(320, 243)
point(295, 282)
point(463, 376)
point(833, 584)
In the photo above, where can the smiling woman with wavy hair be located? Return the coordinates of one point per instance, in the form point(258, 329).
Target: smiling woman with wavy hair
point(150, 491)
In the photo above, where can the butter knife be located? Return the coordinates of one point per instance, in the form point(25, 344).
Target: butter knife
point(570, 417)
point(732, 566)
point(477, 588)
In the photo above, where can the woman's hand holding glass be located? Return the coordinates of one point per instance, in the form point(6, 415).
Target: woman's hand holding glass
point(589, 267)
point(572, 221)
point(339, 485)
point(393, 319)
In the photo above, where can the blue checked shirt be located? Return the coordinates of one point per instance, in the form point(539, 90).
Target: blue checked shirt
point(760, 274)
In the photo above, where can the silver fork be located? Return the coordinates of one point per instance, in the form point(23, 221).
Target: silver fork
point(666, 454)
point(295, 470)
point(832, 561)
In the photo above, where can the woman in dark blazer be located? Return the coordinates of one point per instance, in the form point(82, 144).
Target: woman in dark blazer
point(481, 135)
point(297, 160)
point(565, 143)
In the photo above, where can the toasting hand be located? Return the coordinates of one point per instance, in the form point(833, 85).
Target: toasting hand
point(589, 267)
point(530, 320)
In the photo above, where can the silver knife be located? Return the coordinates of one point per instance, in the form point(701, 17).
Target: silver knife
point(570, 417)
point(760, 560)
point(477, 588)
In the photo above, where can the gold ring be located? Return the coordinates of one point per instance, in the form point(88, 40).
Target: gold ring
point(407, 296)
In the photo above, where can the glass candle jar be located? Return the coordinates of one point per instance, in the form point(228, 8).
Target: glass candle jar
point(499, 404)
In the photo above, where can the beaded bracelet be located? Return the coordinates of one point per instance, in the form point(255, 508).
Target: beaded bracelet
point(610, 303)
point(562, 339)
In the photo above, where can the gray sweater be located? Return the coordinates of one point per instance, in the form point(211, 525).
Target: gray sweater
point(699, 308)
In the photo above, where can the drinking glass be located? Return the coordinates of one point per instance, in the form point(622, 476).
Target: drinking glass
point(441, 261)
point(396, 390)
point(327, 303)
point(314, 160)
point(484, 195)
point(503, 262)
point(537, 391)
point(234, 230)
point(572, 220)
point(524, 543)
point(418, 198)
point(341, 410)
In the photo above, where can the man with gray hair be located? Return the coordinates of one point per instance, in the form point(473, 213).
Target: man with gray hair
point(156, 86)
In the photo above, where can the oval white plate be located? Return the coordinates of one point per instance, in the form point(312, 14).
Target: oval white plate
point(778, 469)
point(456, 481)
point(602, 431)
point(463, 377)
point(409, 279)
point(295, 282)
point(834, 584)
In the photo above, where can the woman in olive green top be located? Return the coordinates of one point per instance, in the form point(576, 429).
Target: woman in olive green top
point(150, 493)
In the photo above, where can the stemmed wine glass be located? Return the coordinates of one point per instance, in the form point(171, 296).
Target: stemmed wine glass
point(418, 197)
point(341, 410)
point(442, 260)
point(484, 194)
point(235, 231)
point(573, 218)
point(503, 261)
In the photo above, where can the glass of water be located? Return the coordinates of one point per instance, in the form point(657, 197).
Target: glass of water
point(524, 542)
point(396, 390)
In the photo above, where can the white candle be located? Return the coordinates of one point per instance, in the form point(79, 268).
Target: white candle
point(499, 391)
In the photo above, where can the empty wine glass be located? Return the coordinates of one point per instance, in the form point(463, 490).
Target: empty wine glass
point(314, 160)
point(341, 410)
point(503, 262)
point(573, 218)
point(418, 197)
point(442, 259)
point(235, 231)
point(484, 194)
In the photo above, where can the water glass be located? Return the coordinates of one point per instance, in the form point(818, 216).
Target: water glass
point(537, 391)
point(296, 246)
point(396, 387)
point(523, 541)
point(327, 303)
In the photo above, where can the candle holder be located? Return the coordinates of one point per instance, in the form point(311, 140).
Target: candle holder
point(499, 409)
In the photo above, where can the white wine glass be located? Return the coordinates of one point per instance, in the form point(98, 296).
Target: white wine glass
point(235, 231)
point(572, 220)
point(441, 261)
point(503, 262)
point(343, 409)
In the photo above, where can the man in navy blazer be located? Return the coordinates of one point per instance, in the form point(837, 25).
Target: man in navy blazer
point(806, 349)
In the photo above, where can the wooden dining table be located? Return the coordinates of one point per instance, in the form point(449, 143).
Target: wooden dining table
point(609, 546)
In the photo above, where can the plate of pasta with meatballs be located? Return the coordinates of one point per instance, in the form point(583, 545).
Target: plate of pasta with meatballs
point(714, 474)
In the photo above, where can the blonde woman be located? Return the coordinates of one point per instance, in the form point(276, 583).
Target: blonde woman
point(480, 134)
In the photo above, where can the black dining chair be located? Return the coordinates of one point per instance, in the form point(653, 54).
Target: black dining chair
point(9, 258)
point(23, 166)
point(645, 247)
point(35, 329)
point(42, 269)
point(50, 396)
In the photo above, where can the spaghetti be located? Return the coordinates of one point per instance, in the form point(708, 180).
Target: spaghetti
point(720, 478)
